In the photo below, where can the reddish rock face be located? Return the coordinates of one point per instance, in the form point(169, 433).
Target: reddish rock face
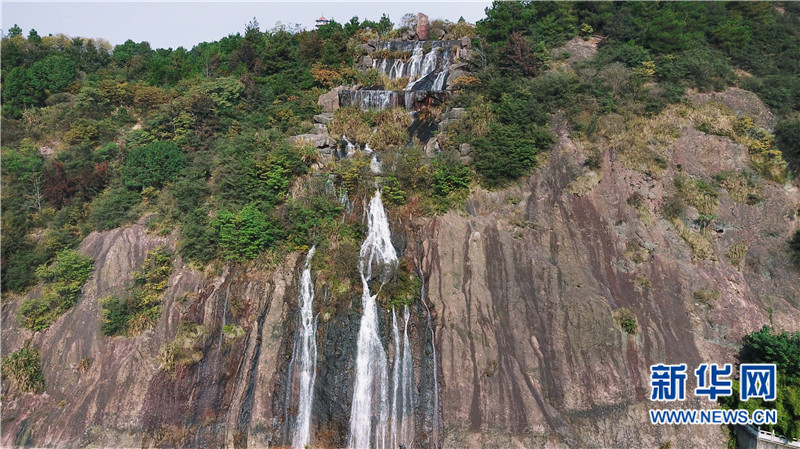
point(422, 26)
point(527, 283)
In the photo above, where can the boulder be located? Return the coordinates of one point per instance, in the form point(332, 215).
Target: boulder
point(466, 42)
point(456, 70)
point(449, 118)
point(432, 147)
point(329, 102)
point(319, 129)
point(438, 34)
point(324, 118)
point(365, 63)
point(464, 54)
point(318, 140)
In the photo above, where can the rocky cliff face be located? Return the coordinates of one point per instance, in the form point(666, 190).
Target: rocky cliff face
point(528, 284)
point(526, 287)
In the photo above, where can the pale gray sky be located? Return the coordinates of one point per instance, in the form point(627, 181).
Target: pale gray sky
point(186, 24)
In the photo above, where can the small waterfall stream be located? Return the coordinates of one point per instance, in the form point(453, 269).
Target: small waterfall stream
point(370, 394)
point(435, 433)
point(305, 357)
point(406, 387)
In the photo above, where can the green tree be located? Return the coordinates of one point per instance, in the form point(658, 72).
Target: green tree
point(243, 235)
point(15, 31)
point(782, 349)
point(31, 86)
point(152, 165)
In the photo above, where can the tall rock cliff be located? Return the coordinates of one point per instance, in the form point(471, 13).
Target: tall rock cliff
point(526, 287)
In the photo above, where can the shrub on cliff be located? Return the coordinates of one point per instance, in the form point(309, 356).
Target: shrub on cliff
point(244, 234)
point(24, 369)
point(139, 308)
point(787, 139)
point(63, 280)
point(507, 153)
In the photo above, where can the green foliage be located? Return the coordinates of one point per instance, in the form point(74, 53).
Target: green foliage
point(310, 220)
point(698, 193)
point(113, 208)
point(782, 349)
point(400, 288)
point(244, 234)
point(140, 307)
point(507, 153)
point(24, 369)
point(787, 139)
point(551, 23)
point(626, 321)
point(272, 175)
point(63, 280)
point(629, 325)
point(450, 177)
point(392, 192)
point(794, 248)
point(32, 85)
point(152, 165)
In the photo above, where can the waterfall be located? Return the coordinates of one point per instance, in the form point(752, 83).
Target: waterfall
point(441, 78)
point(406, 388)
point(426, 68)
point(435, 432)
point(402, 423)
point(414, 63)
point(370, 394)
point(307, 361)
point(395, 381)
point(349, 149)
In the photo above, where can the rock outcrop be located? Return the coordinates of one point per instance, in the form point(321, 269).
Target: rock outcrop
point(329, 102)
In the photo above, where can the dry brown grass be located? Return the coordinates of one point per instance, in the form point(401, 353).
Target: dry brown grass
point(700, 246)
point(350, 122)
point(736, 254)
point(741, 186)
point(698, 193)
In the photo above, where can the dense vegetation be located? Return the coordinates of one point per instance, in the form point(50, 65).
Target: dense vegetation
point(95, 137)
point(782, 349)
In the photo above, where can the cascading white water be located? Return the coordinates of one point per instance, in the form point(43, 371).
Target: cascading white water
point(406, 387)
point(429, 63)
point(414, 63)
point(402, 422)
point(435, 433)
point(441, 77)
point(307, 357)
point(370, 394)
point(395, 382)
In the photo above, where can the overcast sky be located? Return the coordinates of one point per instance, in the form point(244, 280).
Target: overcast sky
point(186, 24)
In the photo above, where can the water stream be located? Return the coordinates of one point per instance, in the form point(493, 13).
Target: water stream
point(305, 359)
point(370, 412)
